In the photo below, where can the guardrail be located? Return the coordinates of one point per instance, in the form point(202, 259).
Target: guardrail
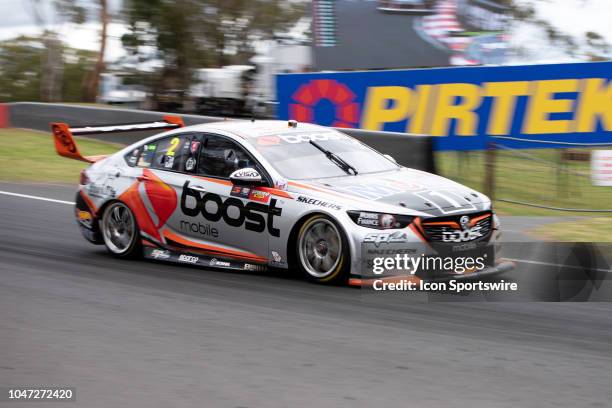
point(409, 150)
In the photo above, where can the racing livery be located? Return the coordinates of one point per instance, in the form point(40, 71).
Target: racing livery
point(251, 195)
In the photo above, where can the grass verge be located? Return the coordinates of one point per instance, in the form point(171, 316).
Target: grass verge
point(538, 176)
point(29, 155)
point(596, 229)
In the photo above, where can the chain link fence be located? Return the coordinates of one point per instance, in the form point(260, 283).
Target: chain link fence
point(554, 179)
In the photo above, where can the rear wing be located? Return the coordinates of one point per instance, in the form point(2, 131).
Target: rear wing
point(66, 146)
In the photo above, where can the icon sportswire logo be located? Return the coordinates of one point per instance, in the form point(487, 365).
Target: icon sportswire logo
point(308, 96)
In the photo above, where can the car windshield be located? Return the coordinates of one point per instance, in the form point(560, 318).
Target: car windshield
point(295, 158)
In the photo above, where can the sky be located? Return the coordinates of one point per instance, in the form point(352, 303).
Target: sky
point(21, 21)
point(572, 17)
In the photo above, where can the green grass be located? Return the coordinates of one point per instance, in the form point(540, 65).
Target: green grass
point(28, 155)
point(534, 179)
point(597, 229)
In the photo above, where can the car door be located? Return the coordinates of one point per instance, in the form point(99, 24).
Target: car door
point(235, 218)
point(166, 163)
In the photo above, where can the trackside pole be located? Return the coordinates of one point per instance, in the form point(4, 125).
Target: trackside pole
point(489, 168)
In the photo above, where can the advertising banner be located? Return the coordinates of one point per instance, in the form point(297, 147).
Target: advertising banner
point(557, 105)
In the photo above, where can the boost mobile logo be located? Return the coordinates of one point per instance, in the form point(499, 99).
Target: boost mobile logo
point(251, 214)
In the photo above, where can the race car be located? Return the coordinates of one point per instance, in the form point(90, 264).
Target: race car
point(253, 195)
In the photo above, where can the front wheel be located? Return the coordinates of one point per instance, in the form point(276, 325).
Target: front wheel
point(120, 231)
point(322, 251)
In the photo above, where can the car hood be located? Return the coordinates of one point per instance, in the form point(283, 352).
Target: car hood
point(408, 190)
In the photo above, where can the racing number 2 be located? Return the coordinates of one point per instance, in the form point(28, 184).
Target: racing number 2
point(173, 145)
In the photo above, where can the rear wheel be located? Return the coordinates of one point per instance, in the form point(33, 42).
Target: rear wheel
point(322, 251)
point(120, 231)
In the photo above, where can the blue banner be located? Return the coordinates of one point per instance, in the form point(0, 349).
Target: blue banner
point(531, 106)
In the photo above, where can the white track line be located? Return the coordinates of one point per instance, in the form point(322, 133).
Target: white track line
point(52, 200)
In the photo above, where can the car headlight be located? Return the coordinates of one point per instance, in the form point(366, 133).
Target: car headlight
point(380, 220)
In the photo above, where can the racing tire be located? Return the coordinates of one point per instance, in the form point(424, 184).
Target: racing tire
point(322, 251)
point(120, 231)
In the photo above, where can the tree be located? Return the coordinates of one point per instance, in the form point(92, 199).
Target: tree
point(589, 46)
point(51, 75)
point(21, 72)
point(188, 34)
point(240, 23)
point(90, 88)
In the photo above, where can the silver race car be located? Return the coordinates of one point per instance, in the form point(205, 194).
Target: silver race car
point(254, 195)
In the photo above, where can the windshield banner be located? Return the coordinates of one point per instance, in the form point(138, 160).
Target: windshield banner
point(561, 105)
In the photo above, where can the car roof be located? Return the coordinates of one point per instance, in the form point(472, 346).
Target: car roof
point(257, 128)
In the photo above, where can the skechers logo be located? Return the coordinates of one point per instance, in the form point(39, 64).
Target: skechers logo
point(254, 216)
point(320, 203)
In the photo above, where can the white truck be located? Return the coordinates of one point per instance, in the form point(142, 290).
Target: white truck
point(241, 90)
point(114, 92)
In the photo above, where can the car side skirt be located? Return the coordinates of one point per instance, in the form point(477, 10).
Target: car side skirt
point(199, 259)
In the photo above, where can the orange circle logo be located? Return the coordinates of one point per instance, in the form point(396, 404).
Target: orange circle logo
point(308, 96)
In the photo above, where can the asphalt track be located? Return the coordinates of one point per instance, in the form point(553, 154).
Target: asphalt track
point(144, 334)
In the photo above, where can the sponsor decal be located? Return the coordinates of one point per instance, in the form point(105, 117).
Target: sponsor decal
point(65, 140)
point(160, 254)
point(268, 140)
point(190, 164)
point(242, 192)
point(386, 238)
point(261, 196)
point(148, 152)
point(464, 221)
point(314, 201)
point(253, 216)
point(188, 259)
point(134, 157)
point(216, 262)
point(168, 162)
point(101, 190)
point(468, 234)
point(557, 103)
point(253, 267)
point(368, 219)
point(203, 229)
point(276, 257)
point(281, 184)
point(246, 174)
point(390, 252)
point(464, 247)
point(306, 137)
point(307, 96)
point(84, 218)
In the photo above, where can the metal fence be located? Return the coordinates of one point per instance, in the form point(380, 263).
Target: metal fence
point(553, 179)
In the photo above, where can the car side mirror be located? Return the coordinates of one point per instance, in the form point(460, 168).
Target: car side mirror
point(388, 156)
point(246, 177)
